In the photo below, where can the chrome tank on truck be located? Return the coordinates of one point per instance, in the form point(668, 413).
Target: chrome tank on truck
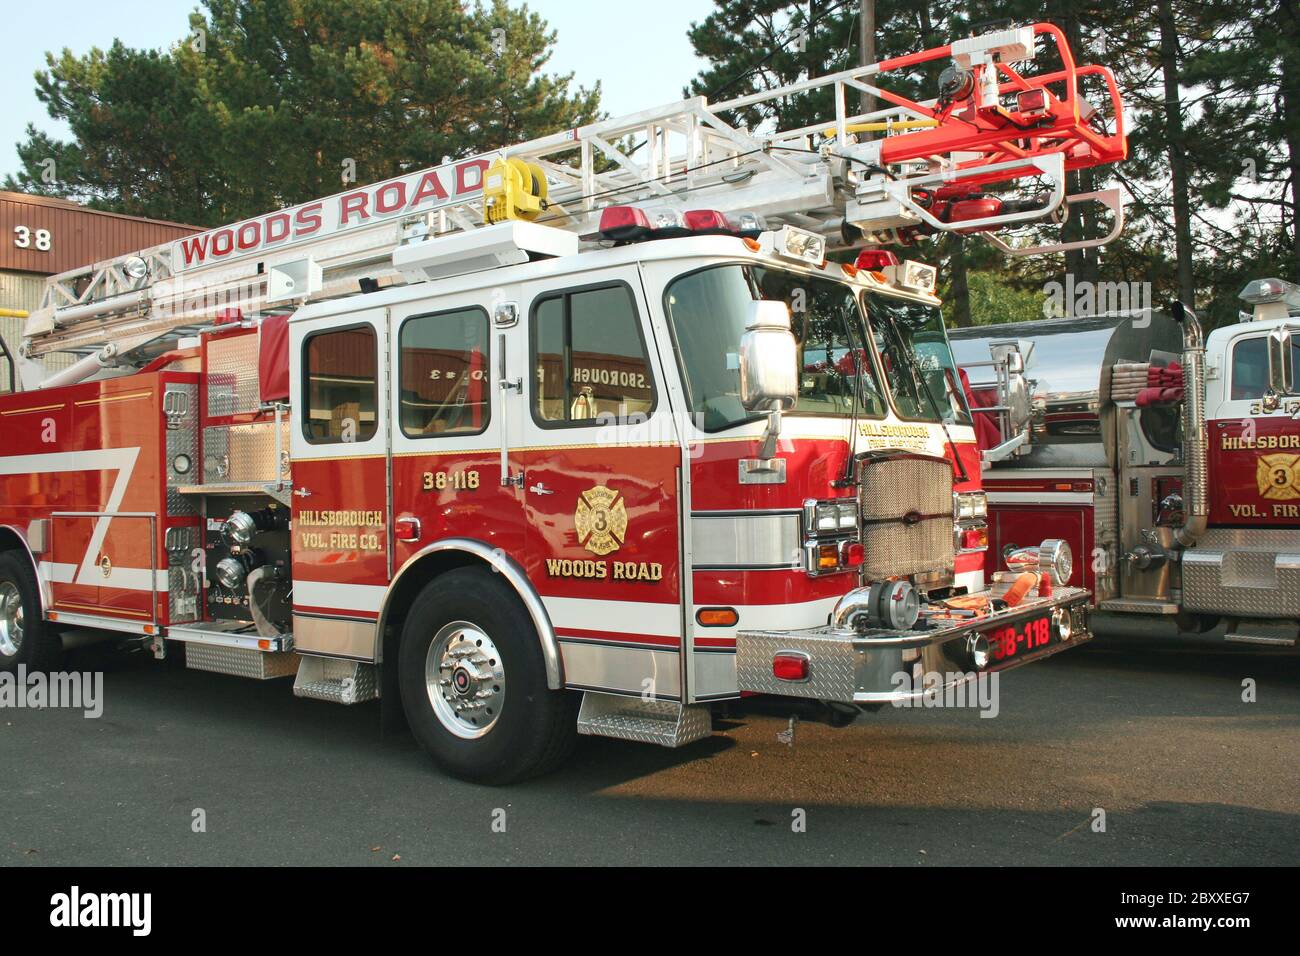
point(1069, 450)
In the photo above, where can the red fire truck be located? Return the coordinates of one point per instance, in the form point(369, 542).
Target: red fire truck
point(1172, 461)
point(561, 438)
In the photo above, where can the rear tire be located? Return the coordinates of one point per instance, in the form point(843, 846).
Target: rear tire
point(473, 682)
point(24, 637)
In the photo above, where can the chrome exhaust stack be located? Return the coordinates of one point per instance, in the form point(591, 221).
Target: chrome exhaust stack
point(1195, 440)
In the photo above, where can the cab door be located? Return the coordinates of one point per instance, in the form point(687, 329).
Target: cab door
point(598, 466)
point(340, 475)
point(449, 433)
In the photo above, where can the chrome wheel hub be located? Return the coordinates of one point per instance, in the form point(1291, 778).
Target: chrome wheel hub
point(465, 679)
point(11, 619)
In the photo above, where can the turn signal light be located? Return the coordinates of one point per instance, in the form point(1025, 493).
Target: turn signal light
point(828, 557)
point(975, 538)
point(790, 666)
point(717, 616)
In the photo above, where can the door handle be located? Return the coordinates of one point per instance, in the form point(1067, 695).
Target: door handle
point(540, 489)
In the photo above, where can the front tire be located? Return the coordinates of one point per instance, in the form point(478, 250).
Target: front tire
point(473, 682)
point(24, 637)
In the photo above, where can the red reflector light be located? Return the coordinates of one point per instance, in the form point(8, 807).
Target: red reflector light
point(854, 554)
point(623, 222)
point(873, 260)
point(708, 221)
point(790, 666)
point(1032, 101)
point(975, 538)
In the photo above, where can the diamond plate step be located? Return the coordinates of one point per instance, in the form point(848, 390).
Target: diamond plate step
point(339, 682)
point(663, 722)
point(240, 661)
point(1277, 633)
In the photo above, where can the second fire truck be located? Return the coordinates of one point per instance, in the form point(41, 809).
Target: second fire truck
point(1170, 459)
point(560, 439)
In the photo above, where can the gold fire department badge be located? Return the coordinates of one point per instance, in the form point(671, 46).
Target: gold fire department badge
point(1278, 476)
point(601, 520)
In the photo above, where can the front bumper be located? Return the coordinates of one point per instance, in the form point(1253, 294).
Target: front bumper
point(881, 666)
point(1244, 572)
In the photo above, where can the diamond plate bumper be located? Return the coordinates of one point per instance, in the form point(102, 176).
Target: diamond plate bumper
point(1244, 572)
point(878, 667)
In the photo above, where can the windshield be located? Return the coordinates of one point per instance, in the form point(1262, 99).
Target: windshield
point(708, 310)
point(1250, 367)
point(911, 338)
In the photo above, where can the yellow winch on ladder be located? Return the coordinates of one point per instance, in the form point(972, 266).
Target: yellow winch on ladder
point(513, 189)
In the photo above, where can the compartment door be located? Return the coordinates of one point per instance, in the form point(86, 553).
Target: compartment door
point(340, 510)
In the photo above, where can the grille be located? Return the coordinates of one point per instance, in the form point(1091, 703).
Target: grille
point(906, 505)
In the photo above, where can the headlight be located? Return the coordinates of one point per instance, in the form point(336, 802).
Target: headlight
point(969, 505)
point(1063, 623)
point(832, 517)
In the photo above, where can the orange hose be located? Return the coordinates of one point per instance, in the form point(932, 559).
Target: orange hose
point(1022, 586)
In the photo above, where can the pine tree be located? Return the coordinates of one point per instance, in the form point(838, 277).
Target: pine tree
point(272, 103)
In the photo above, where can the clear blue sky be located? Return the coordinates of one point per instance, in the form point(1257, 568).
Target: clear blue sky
point(641, 57)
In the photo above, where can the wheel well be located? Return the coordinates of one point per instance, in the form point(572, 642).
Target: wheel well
point(408, 587)
point(11, 540)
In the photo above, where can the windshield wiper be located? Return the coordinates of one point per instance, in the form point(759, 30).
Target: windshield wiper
point(919, 379)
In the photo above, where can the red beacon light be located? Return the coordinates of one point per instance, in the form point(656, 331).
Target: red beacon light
point(876, 260)
point(709, 222)
point(623, 223)
point(1032, 102)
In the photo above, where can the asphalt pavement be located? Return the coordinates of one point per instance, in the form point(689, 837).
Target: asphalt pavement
point(1155, 737)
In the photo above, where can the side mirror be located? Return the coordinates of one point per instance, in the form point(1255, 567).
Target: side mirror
point(1280, 374)
point(769, 359)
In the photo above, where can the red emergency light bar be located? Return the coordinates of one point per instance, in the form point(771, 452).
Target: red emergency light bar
point(633, 223)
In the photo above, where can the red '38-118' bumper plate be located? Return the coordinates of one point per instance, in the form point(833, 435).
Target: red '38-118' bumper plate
point(881, 666)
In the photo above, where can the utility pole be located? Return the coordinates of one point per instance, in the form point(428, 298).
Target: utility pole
point(866, 46)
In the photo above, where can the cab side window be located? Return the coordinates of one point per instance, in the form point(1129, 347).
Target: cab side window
point(590, 363)
point(340, 379)
point(444, 374)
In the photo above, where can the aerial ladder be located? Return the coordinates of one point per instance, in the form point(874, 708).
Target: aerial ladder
point(1013, 114)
